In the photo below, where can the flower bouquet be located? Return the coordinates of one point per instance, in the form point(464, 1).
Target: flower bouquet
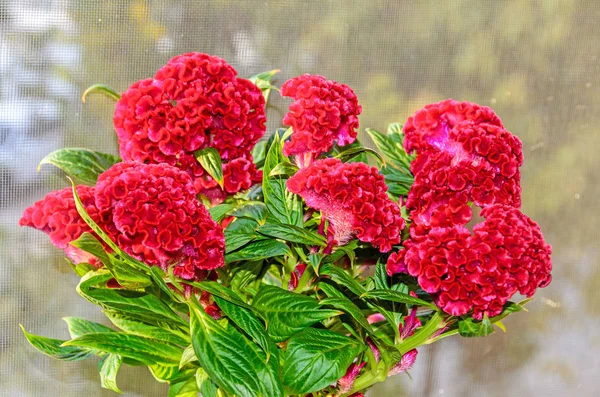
point(305, 264)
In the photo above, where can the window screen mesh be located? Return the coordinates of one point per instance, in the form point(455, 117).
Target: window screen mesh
point(535, 62)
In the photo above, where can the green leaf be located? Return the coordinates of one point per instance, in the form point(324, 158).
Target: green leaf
point(350, 308)
point(188, 356)
point(220, 211)
point(259, 151)
point(162, 331)
point(381, 277)
point(145, 350)
point(207, 387)
point(103, 89)
point(139, 305)
point(80, 326)
point(82, 164)
point(469, 328)
point(316, 358)
point(210, 159)
point(231, 360)
point(88, 243)
point(342, 278)
point(184, 388)
point(284, 205)
point(283, 168)
point(288, 313)
point(259, 250)
point(109, 368)
point(292, 233)
point(353, 152)
point(263, 81)
point(247, 322)
point(397, 296)
point(391, 147)
point(55, 349)
point(169, 372)
point(256, 211)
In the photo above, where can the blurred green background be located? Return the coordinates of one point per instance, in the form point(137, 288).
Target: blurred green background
point(535, 62)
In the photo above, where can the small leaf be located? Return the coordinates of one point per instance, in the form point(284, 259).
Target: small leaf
point(55, 349)
point(247, 322)
point(285, 206)
point(263, 81)
point(103, 89)
point(231, 360)
point(316, 358)
point(259, 250)
point(292, 233)
point(342, 278)
point(350, 308)
point(184, 388)
point(287, 313)
point(216, 289)
point(220, 211)
point(351, 153)
point(256, 211)
point(80, 326)
point(470, 328)
point(109, 368)
point(381, 278)
point(162, 331)
point(210, 159)
point(145, 350)
point(82, 164)
point(396, 296)
point(207, 387)
point(284, 168)
point(188, 356)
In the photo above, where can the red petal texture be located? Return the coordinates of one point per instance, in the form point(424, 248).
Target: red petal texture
point(322, 113)
point(476, 163)
point(193, 102)
point(57, 216)
point(159, 219)
point(479, 271)
point(353, 197)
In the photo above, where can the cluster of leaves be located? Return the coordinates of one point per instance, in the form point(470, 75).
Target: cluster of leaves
point(278, 333)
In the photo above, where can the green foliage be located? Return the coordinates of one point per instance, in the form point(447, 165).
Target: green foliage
point(210, 159)
point(84, 165)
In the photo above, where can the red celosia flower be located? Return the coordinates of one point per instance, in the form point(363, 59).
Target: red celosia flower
point(346, 382)
point(353, 197)
point(430, 126)
point(479, 271)
point(478, 163)
point(322, 113)
point(194, 101)
point(57, 216)
point(406, 362)
point(159, 219)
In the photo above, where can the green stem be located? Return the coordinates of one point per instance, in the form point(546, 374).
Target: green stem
point(422, 335)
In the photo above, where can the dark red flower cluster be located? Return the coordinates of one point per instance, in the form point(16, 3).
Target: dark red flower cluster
point(468, 162)
point(159, 219)
point(353, 197)
point(479, 271)
point(466, 157)
point(57, 216)
point(322, 113)
point(193, 102)
point(149, 211)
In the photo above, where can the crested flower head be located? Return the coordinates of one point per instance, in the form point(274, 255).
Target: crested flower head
point(479, 271)
point(322, 113)
point(430, 126)
point(57, 216)
point(353, 198)
point(193, 102)
point(476, 163)
point(159, 219)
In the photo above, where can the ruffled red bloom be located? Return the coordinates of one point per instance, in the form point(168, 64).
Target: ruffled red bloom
point(474, 162)
point(322, 113)
point(194, 101)
point(478, 271)
point(159, 219)
point(57, 216)
point(353, 197)
point(429, 127)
